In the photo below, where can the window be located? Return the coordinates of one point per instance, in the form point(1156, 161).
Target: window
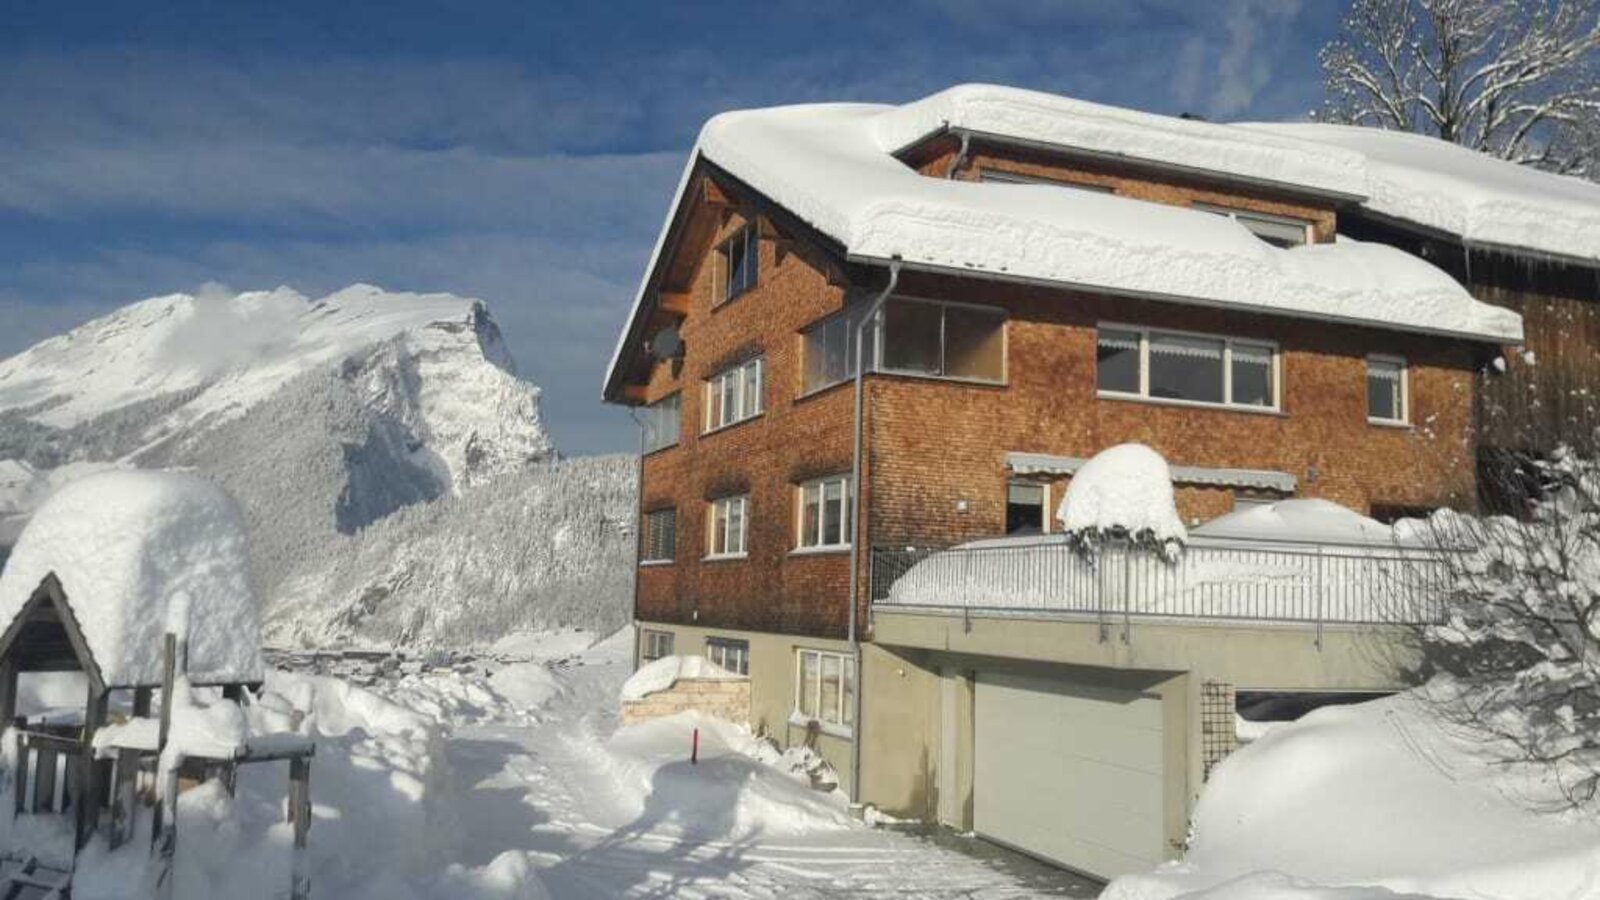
point(924, 337)
point(734, 395)
point(654, 645)
point(729, 654)
point(825, 688)
point(660, 536)
point(726, 527)
point(1188, 368)
point(662, 421)
point(825, 513)
point(1118, 361)
point(830, 350)
point(1279, 231)
point(997, 176)
point(1386, 389)
point(1027, 508)
point(737, 262)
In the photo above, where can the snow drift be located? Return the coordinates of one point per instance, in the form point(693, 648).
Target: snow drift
point(1123, 490)
point(1385, 795)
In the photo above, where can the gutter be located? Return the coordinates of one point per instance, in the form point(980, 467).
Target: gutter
point(961, 156)
point(1184, 300)
point(638, 534)
point(853, 635)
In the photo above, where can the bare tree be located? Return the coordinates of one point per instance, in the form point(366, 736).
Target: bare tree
point(1516, 656)
point(1518, 79)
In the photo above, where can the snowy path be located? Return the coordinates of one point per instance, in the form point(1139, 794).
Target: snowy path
point(546, 790)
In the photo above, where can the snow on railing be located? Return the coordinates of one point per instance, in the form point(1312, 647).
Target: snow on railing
point(1212, 579)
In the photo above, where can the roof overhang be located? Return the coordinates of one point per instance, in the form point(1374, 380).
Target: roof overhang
point(1182, 300)
point(1255, 479)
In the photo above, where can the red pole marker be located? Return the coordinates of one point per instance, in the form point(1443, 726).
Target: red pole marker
point(694, 749)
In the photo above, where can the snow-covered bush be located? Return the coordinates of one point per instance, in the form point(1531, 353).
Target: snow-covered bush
point(1517, 656)
point(1123, 493)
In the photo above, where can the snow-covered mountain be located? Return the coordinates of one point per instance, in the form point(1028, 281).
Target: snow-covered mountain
point(397, 480)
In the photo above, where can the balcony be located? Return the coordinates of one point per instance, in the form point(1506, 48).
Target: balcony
point(1215, 579)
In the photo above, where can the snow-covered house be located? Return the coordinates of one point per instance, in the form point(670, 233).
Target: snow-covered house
point(1028, 280)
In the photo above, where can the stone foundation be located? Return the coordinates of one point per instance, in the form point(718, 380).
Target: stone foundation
point(725, 699)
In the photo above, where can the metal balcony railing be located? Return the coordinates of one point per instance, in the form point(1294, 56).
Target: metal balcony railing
point(1212, 579)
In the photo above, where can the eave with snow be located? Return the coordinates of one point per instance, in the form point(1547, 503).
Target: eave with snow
point(842, 179)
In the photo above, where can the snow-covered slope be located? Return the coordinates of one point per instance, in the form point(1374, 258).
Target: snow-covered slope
point(359, 432)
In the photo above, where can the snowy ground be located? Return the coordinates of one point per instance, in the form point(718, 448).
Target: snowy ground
point(603, 816)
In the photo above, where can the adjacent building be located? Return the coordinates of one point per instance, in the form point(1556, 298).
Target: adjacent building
point(1027, 280)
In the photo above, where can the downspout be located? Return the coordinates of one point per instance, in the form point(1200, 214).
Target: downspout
point(638, 533)
point(856, 523)
point(961, 156)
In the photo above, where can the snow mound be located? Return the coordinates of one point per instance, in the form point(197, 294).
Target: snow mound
point(1380, 794)
point(729, 795)
point(1123, 490)
point(1310, 520)
point(139, 554)
point(661, 674)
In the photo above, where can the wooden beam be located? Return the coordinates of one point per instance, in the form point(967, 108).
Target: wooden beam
point(673, 303)
point(715, 195)
point(633, 393)
point(300, 819)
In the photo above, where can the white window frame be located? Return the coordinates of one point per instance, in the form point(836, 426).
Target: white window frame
point(645, 559)
point(1228, 343)
point(648, 640)
point(843, 725)
point(1243, 217)
point(722, 646)
point(717, 385)
point(722, 508)
point(653, 413)
point(802, 542)
point(878, 331)
point(1405, 388)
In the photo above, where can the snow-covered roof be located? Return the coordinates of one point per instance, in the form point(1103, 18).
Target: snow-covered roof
point(1311, 520)
point(139, 554)
point(1475, 197)
point(834, 167)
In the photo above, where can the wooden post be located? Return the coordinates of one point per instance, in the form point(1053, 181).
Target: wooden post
point(123, 802)
point(44, 780)
point(160, 839)
point(20, 780)
point(300, 818)
point(8, 689)
point(83, 777)
point(141, 701)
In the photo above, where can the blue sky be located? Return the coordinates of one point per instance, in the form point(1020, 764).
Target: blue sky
point(520, 152)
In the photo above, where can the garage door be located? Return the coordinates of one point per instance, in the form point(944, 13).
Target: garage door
point(1069, 772)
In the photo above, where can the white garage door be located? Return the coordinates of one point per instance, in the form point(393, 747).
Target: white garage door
point(1069, 772)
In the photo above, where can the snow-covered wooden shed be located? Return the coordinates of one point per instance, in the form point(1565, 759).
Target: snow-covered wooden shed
point(140, 581)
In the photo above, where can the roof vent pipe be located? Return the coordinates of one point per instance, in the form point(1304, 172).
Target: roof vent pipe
point(961, 156)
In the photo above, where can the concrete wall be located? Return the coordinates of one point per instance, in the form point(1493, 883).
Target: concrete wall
point(771, 684)
point(904, 749)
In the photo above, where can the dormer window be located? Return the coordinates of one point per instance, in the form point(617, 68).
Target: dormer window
point(1279, 231)
point(737, 262)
